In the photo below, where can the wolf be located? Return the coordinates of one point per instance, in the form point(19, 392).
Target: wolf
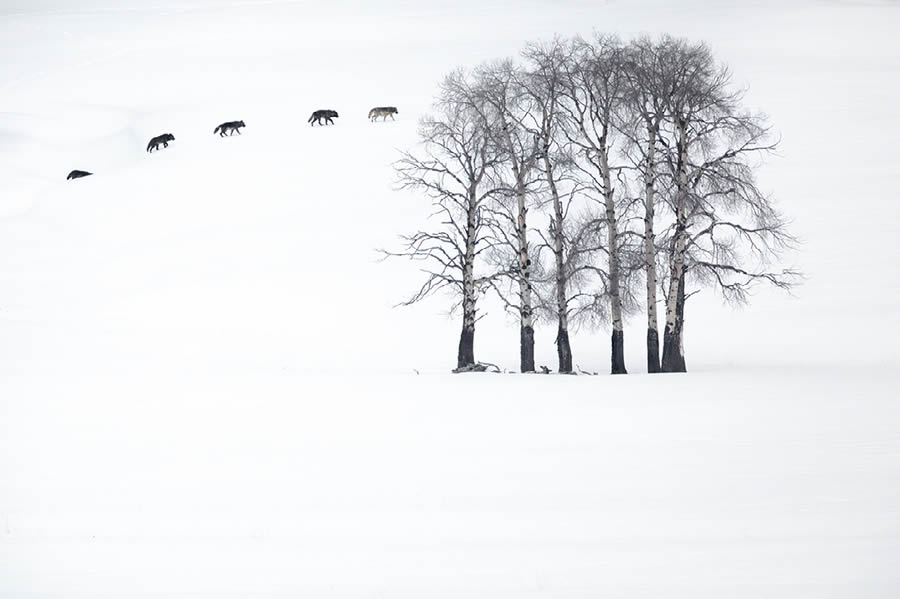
point(383, 111)
point(326, 114)
point(229, 126)
point(77, 174)
point(163, 139)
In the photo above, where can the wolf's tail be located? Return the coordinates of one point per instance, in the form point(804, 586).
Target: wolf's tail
point(216, 130)
point(313, 116)
point(373, 111)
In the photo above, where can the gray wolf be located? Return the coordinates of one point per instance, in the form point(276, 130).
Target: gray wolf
point(163, 139)
point(383, 111)
point(325, 114)
point(77, 174)
point(229, 126)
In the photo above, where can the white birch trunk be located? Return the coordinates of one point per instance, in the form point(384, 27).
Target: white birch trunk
point(650, 251)
point(466, 353)
point(673, 352)
point(615, 298)
point(525, 290)
point(526, 310)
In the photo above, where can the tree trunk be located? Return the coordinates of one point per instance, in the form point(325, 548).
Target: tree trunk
point(679, 314)
point(650, 253)
point(466, 354)
point(673, 342)
point(526, 349)
point(563, 348)
point(673, 356)
point(615, 298)
point(672, 359)
point(526, 344)
point(618, 353)
point(653, 351)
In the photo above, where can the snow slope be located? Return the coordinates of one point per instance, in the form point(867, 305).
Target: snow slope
point(205, 391)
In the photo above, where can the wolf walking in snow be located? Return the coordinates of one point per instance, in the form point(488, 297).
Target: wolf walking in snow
point(325, 114)
point(163, 139)
point(383, 111)
point(231, 126)
point(77, 174)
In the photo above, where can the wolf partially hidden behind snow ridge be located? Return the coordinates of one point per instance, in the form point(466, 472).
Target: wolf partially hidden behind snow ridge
point(325, 114)
point(383, 111)
point(163, 139)
point(77, 174)
point(229, 126)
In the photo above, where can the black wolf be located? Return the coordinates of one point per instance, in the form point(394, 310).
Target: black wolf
point(229, 126)
point(163, 139)
point(318, 115)
point(382, 111)
point(77, 174)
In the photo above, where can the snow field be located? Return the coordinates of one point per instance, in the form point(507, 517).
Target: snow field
point(205, 392)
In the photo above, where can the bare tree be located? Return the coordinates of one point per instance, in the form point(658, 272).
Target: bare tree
point(726, 231)
point(593, 91)
point(500, 93)
point(600, 135)
point(648, 71)
point(451, 170)
point(542, 83)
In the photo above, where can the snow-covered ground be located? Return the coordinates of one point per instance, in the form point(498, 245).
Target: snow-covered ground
point(204, 390)
point(740, 485)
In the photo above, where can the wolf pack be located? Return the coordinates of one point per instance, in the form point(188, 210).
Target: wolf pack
point(324, 116)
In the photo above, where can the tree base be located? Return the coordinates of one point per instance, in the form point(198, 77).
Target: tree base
point(466, 354)
point(618, 353)
point(672, 360)
point(564, 351)
point(526, 349)
point(652, 350)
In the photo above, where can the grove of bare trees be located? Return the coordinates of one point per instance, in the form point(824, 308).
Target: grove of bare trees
point(589, 180)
